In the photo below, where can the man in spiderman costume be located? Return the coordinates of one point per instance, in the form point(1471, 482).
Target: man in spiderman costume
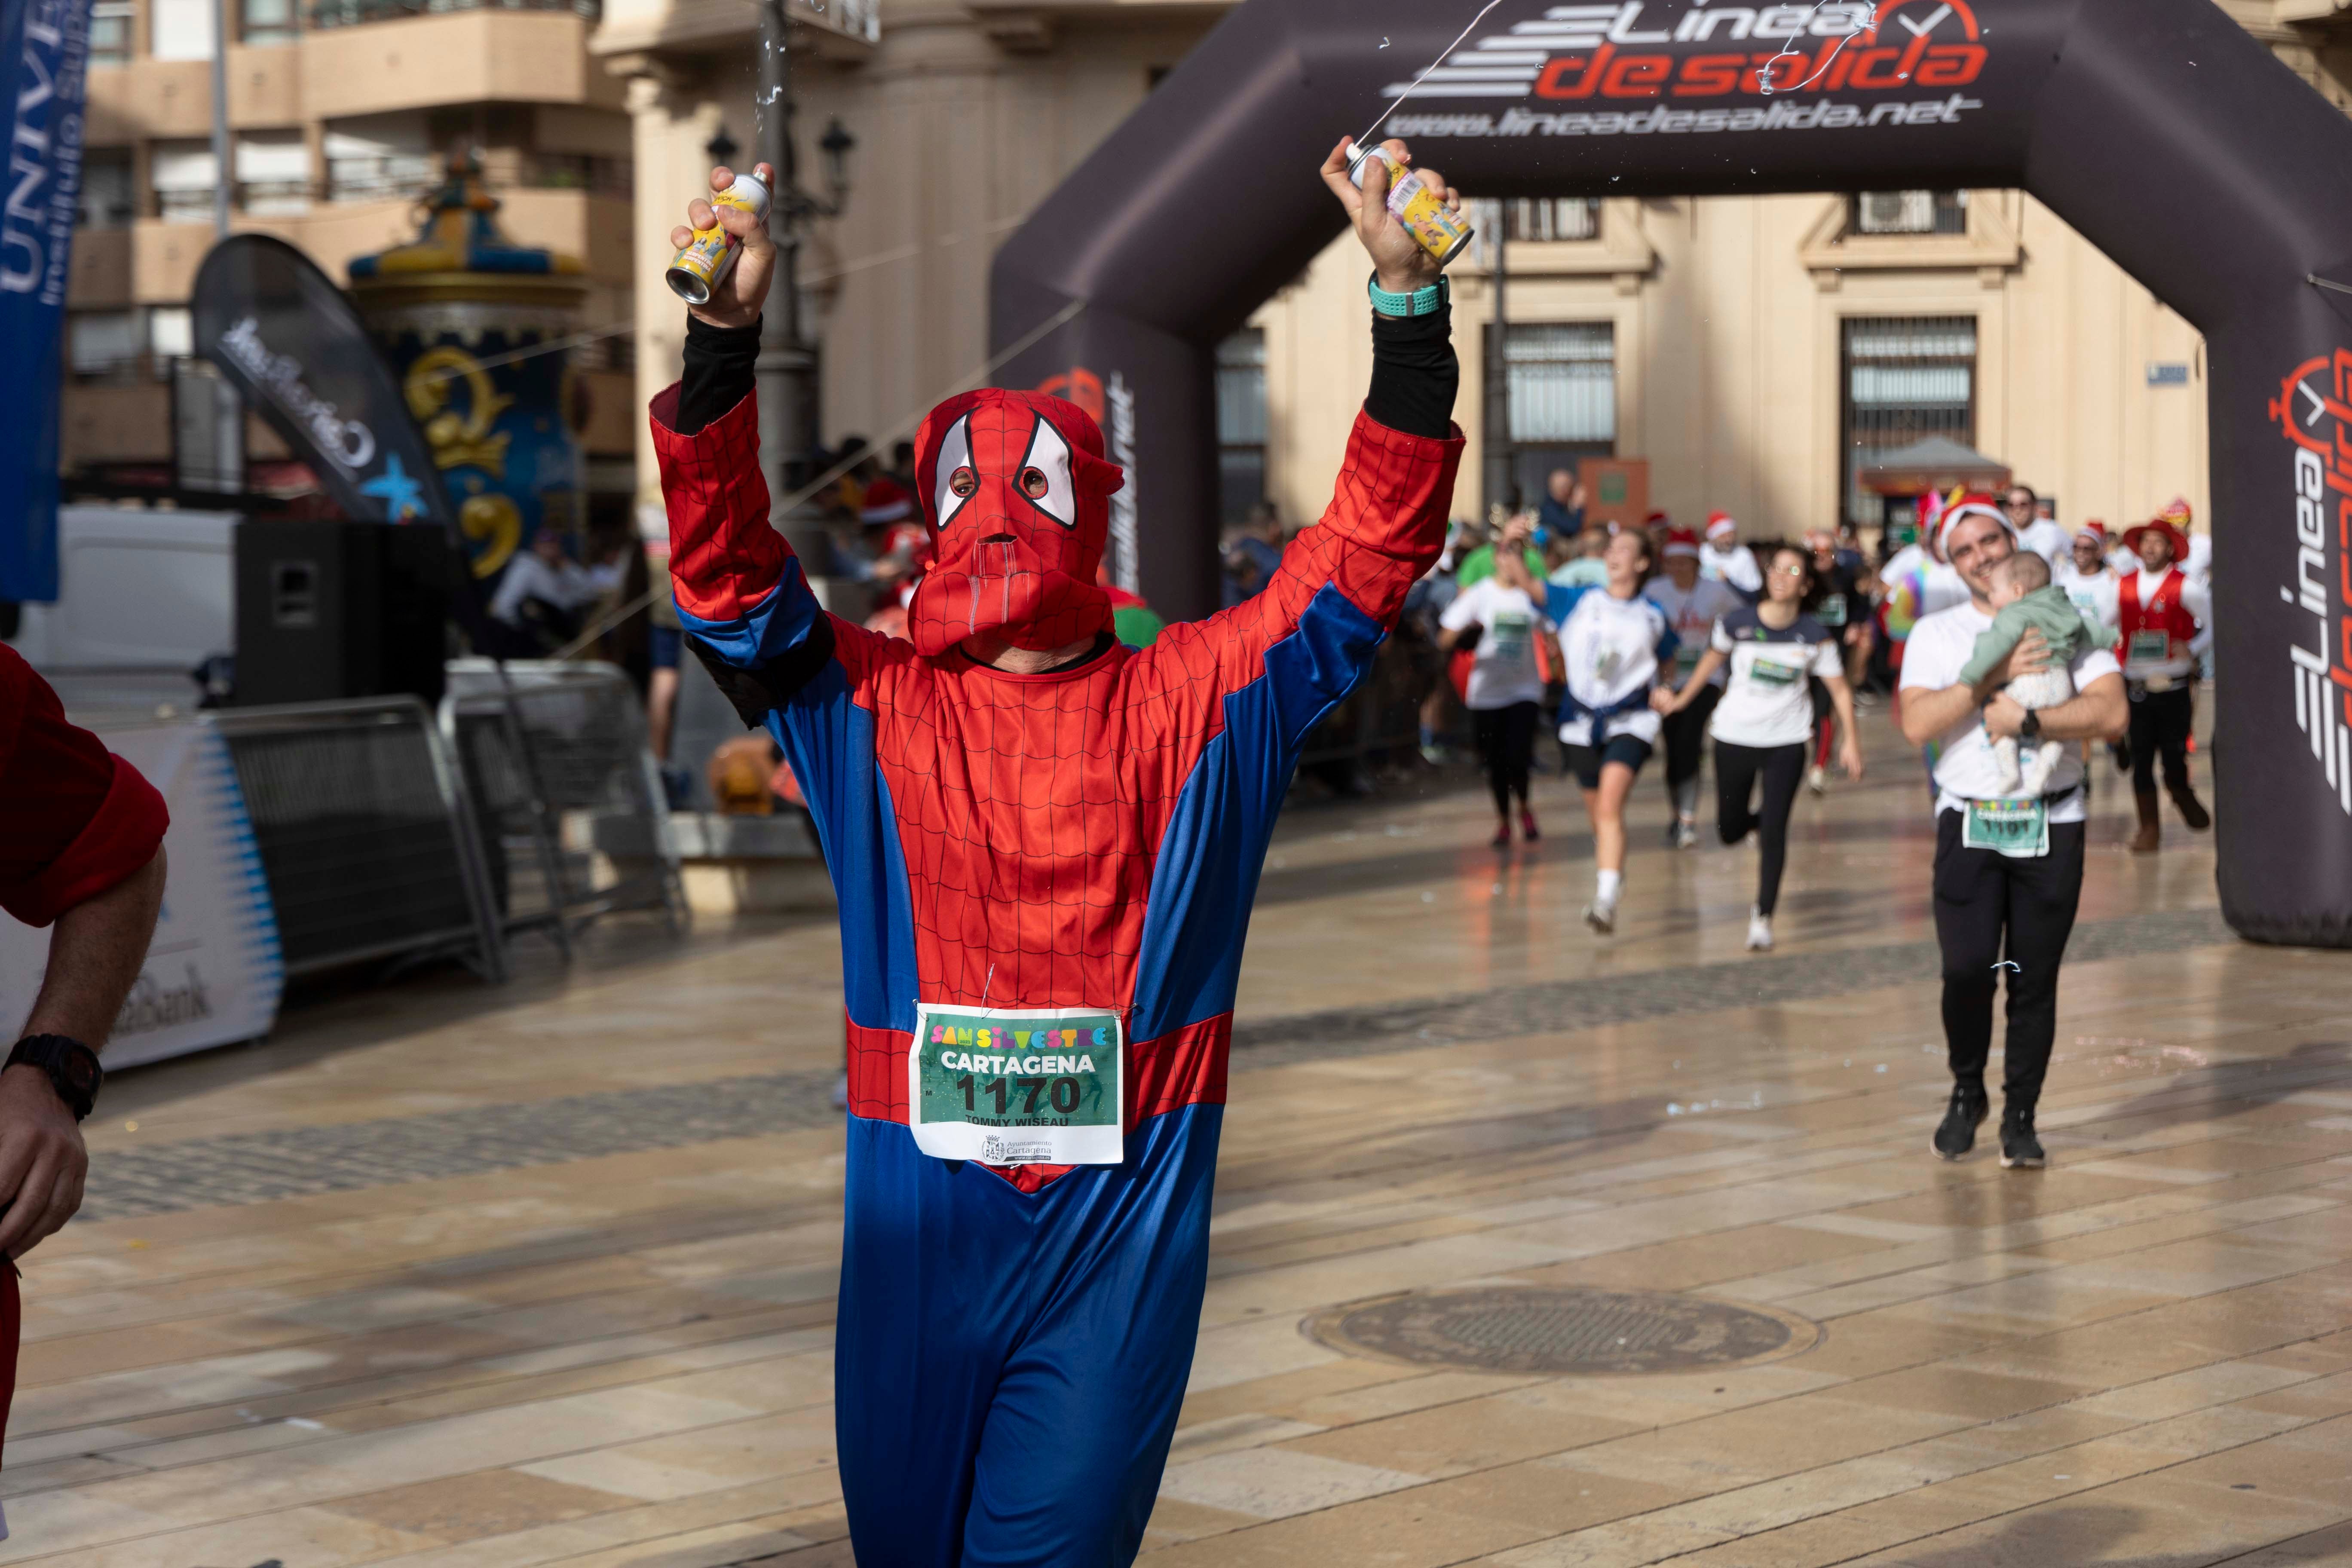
point(1045, 846)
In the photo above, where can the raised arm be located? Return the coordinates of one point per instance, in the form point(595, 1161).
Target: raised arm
point(742, 596)
point(1315, 628)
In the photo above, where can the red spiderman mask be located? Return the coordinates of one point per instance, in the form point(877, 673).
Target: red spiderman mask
point(1017, 495)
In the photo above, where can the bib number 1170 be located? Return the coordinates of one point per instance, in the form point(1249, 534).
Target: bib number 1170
point(1064, 1093)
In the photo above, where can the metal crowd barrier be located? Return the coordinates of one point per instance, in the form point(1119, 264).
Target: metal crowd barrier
point(574, 821)
point(366, 833)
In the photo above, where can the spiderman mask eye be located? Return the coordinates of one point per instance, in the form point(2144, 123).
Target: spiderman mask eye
point(1035, 484)
point(964, 481)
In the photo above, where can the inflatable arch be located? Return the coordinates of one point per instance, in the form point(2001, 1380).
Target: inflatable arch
point(2158, 129)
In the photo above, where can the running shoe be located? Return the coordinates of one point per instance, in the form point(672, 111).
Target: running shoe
point(1686, 835)
point(1602, 918)
point(1501, 839)
point(1817, 779)
point(1527, 830)
point(1957, 1134)
point(1760, 931)
point(2019, 1149)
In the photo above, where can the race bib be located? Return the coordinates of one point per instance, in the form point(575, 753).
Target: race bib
point(1510, 640)
point(1830, 611)
point(1772, 672)
point(2017, 828)
point(1018, 1086)
point(1686, 656)
point(2148, 648)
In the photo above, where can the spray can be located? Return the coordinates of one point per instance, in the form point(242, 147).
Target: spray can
point(1435, 227)
point(698, 269)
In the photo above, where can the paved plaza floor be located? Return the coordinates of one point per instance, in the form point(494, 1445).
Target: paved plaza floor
point(443, 1276)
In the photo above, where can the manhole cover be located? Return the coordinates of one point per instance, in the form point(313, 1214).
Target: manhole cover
point(1519, 1329)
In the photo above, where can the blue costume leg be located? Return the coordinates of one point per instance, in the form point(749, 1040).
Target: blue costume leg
point(1070, 1461)
point(935, 1291)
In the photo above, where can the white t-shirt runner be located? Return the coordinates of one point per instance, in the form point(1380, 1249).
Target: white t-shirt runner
point(2093, 593)
point(1505, 670)
point(1609, 650)
point(1736, 566)
point(1770, 701)
point(1961, 758)
point(1693, 617)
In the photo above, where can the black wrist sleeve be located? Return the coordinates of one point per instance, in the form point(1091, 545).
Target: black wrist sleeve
point(1415, 374)
point(718, 363)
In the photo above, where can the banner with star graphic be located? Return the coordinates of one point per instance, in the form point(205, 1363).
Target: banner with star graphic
point(294, 346)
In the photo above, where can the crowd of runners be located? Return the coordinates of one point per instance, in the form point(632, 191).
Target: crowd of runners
point(1678, 644)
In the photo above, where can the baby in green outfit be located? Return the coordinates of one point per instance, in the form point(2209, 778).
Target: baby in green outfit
point(2022, 595)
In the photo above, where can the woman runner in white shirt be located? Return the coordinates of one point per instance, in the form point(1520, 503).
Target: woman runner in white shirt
point(1763, 726)
point(1506, 682)
point(1609, 646)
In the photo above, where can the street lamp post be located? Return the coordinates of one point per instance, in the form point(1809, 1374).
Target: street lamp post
point(786, 370)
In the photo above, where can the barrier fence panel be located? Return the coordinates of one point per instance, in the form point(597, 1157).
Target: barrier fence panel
point(575, 823)
point(365, 833)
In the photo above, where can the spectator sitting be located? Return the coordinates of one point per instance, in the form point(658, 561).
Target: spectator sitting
point(1251, 559)
point(543, 590)
point(1561, 511)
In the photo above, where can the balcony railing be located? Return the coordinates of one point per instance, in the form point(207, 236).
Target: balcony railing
point(352, 12)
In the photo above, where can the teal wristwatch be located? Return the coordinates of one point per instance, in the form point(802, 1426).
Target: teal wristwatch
point(1419, 302)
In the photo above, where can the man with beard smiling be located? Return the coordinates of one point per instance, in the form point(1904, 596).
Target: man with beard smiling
point(2008, 870)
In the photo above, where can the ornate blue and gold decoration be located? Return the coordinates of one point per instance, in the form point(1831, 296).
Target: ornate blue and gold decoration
point(476, 328)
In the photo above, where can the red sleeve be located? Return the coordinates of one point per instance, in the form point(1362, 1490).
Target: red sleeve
point(725, 559)
point(79, 819)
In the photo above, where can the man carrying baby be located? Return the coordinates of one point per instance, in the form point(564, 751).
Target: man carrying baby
point(2008, 860)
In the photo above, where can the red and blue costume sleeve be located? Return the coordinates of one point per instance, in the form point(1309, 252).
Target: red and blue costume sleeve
point(1086, 836)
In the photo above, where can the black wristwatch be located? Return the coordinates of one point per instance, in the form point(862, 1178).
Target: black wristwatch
point(72, 1068)
point(2030, 727)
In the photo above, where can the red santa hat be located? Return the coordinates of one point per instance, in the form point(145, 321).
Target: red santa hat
point(1967, 505)
point(2095, 530)
point(1681, 542)
point(886, 500)
point(1657, 518)
point(1720, 522)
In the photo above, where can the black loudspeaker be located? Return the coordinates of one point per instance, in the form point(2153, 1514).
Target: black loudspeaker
point(333, 610)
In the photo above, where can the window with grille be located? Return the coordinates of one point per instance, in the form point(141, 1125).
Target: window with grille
point(1570, 218)
point(1911, 212)
point(107, 192)
point(1563, 381)
point(182, 176)
point(1906, 379)
point(1241, 424)
point(269, 22)
point(1562, 378)
point(109, 32)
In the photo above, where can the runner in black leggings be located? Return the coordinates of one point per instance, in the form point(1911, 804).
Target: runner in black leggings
point(1507, 679)
point(1763, 725)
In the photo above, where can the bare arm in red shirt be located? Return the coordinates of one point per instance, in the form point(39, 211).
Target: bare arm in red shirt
point(86, 858)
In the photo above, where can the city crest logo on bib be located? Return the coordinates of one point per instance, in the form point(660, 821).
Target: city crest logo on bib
point(1018, 1086)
